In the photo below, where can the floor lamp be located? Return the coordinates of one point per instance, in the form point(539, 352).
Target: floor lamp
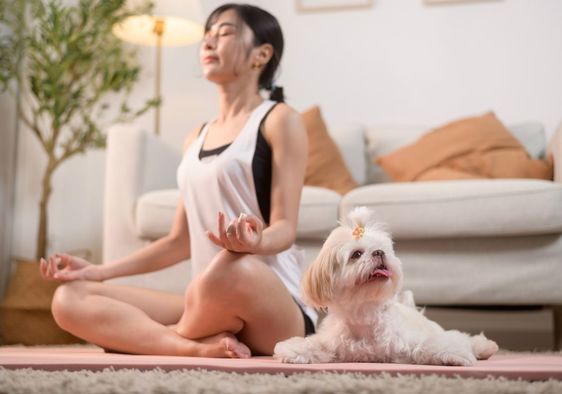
point(173, 23)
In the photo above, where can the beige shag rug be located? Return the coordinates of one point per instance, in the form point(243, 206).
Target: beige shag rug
point(26, 381)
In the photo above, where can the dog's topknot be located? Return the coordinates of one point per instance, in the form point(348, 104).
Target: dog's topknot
point(364, 218)
point(360, 217)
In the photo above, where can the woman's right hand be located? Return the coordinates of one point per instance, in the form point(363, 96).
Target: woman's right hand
point(65, 267)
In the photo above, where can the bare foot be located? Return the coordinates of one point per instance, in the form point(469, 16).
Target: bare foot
point(220, 345)
point(224, 345)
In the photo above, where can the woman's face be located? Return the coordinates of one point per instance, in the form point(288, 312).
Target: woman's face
point(226, 48)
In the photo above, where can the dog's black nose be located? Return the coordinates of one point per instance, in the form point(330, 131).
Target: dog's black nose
point(378, 253)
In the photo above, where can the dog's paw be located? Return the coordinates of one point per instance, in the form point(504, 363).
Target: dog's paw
point(482, 347)
point(298, 350)
point(294, 359)
point(293, 351)
point(461, 359)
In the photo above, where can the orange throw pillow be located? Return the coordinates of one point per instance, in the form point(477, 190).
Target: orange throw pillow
point(476, 147)
point(325, 166)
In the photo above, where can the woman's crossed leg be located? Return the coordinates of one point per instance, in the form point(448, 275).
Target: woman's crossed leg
point(238, 296)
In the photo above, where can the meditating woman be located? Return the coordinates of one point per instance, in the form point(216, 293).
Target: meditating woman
point(240, 179)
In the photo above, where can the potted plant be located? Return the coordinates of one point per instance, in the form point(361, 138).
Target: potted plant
point(62, 63)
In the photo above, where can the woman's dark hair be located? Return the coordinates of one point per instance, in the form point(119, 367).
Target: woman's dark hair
point(266, 30)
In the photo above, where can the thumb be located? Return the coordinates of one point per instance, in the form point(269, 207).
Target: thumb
point(255, 223)
point(67, 275)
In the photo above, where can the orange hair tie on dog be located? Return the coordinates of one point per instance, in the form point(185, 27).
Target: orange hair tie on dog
point(358, 232)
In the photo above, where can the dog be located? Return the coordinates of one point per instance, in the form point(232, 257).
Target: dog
point(358, 278)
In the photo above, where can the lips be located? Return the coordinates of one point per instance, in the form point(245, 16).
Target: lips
point(209, 59)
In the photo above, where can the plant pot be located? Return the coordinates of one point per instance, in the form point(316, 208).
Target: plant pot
point(25, 311)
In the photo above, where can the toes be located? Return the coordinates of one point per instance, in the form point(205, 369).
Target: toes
point(236, 349)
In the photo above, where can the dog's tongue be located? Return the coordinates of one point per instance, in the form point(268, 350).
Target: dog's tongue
point(384, 273)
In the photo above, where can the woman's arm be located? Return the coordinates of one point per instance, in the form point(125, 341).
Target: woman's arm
point(284, 131)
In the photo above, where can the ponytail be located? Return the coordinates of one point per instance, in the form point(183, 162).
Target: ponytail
point(277, 94)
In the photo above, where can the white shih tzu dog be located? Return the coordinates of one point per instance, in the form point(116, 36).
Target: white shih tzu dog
point(357, 277)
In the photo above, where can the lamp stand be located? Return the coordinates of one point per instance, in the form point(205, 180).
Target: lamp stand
point(159, 31)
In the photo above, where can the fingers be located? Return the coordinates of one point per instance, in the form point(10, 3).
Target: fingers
point(50, 271)
point(66, 275)
point(48, 268)
point(55, 264)
point(226, 237)
point(233, 237)
point(241, 228)
point(66, 260)
point(214, 239)
point(57, 267)
point(254, 222)
point(240, 233)
point(225, 233)
point(232, 231)
point(218, 239)
point(43, 268)
point(221, 224)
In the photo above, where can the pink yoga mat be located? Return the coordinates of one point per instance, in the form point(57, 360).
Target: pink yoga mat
point(512, 366)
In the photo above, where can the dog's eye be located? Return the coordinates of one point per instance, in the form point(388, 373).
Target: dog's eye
point(356, 254)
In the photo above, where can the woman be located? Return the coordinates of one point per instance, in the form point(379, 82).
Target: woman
point(240, 179)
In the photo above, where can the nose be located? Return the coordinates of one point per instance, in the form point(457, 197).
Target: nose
point(378, 253)
point(209, 41)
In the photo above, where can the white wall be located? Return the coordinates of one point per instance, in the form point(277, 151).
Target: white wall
point(400, 62)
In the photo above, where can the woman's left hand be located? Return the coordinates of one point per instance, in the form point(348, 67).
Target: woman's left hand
point(243, 234)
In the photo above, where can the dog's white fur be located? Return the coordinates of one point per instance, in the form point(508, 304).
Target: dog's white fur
point(358, 280)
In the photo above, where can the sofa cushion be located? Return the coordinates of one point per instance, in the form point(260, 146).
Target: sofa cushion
point(480, 146)
point(155, 213)
point(350, 140)
point(325, 166)
point(384, 139)
point(462, 208)
point(318, 213)
point(532, 137)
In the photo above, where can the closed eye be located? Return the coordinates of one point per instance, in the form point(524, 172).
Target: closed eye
point(356, 254)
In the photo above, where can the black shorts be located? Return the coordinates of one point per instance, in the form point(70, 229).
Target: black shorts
point(308, 324)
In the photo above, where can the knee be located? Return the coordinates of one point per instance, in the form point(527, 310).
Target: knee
point(65, 301)
point(231, 273)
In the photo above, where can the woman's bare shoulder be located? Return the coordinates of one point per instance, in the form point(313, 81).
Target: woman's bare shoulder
point(284, 120)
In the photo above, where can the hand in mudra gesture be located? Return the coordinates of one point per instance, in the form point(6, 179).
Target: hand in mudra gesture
point(243, 234)
point(65, 267)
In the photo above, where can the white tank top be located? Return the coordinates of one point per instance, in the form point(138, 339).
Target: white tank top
point(226, 183)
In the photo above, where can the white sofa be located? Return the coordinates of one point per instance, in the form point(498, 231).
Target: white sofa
point(462, 243)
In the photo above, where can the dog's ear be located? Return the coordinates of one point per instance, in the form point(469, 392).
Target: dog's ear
point(319, 278)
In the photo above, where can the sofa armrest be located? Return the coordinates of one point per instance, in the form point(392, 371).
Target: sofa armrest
point(136, 162)
point(555, 149)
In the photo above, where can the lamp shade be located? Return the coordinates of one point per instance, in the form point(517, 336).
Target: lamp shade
point(179, 22)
